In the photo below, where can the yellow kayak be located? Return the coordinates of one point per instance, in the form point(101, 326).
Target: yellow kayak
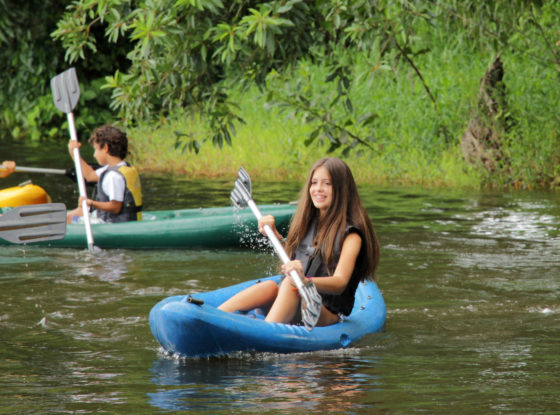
point(25, 194)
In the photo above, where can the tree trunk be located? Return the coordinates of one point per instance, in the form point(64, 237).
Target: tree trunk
point(482, 142)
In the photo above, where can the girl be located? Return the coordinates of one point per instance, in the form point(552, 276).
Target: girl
point(331, 241)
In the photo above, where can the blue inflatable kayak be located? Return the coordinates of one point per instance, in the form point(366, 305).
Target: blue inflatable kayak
point(192, 326)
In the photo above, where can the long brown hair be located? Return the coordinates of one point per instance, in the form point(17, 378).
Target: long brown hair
point(346, 208)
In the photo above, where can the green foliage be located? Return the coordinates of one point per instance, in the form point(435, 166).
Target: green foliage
point(189, 55)
point(316, 98)
point(377, 78)
point(28, 60)
point(186, 54)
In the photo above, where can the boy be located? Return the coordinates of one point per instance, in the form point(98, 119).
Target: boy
point(118, 194)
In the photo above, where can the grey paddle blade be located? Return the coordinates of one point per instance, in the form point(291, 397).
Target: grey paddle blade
point(34, 223)
point(66, 90)
point(310, 305)
point(241, 193)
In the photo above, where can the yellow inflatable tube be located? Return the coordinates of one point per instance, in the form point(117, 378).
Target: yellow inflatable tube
point(25, 194)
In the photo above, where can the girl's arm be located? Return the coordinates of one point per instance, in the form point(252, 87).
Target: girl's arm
point(336, 283)
point(269, 220)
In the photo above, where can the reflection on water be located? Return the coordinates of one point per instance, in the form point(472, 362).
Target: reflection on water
point(333, 382)
point(107, 265)
point(520, 224)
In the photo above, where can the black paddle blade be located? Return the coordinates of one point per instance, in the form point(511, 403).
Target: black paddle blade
point(34, 223)
point(66, 90)
point(241, 193)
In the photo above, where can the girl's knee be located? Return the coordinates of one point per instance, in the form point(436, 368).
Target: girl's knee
point(269, 287)
point(288, 286)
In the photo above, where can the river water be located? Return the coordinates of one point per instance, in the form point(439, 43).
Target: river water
point(471, 281)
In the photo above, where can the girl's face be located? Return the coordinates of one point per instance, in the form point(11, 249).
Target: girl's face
point(100, 153)
point(321, 189)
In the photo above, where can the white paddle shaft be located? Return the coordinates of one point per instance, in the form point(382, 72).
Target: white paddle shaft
point(81, 181)
point(276, 244)
point(38, 170)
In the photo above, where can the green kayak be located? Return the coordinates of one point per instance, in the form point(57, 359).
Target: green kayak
point(187, 228)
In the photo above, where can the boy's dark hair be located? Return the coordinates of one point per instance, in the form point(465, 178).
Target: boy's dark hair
point(115, 139)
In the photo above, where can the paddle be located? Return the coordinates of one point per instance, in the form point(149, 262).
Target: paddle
point(70, 172)
point(66, 92)
point(311, 299)
point(20, 169)
point(34, 223)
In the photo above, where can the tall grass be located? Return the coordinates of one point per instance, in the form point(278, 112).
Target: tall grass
point(267, 145)
point(418, 143)
point(534, 142)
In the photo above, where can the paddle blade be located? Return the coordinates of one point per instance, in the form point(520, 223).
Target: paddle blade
point(241, 193)
point(310, 305)
point(66, 90)
point(34, 223)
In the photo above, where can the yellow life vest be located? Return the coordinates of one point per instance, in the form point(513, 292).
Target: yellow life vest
point(132, 203)
point(132, 178)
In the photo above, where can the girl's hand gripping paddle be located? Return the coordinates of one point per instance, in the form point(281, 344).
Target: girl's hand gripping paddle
point(311, 299)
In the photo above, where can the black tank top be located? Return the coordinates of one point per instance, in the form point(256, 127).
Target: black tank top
point(314, 266)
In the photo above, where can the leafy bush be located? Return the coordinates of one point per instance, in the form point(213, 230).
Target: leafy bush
point(393, 80)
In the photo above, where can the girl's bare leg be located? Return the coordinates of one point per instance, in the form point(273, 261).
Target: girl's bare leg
point(286, 305)
point(327, 317)
point(258, 295)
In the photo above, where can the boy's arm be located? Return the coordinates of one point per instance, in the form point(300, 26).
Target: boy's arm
point(113, 185)
point(88, 172)
point(112, 206)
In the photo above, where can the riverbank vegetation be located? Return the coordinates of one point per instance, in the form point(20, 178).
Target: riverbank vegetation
point(443, 93)
point(272, 145)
